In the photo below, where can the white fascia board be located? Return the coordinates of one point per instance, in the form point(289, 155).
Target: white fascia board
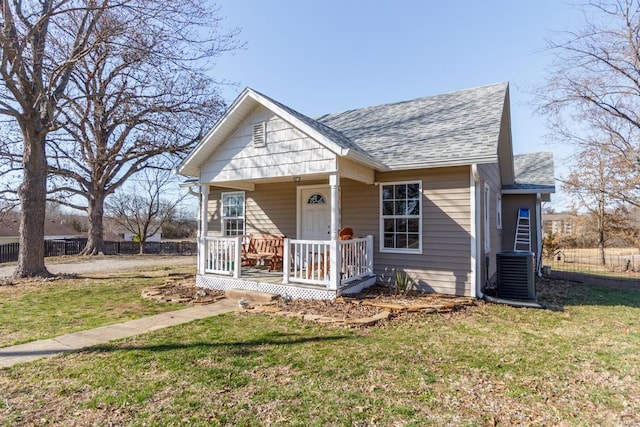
point(187, 166)
point(527, 191)
point(440, 164)
point(366, 160)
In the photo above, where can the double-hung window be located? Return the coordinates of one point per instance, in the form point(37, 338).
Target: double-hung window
point(233, 214)
point(401, 217)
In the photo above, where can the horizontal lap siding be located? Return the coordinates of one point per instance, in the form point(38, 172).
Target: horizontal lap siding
point(271, 209)
point(287, 152)
point(490, 174)
point(445, 262)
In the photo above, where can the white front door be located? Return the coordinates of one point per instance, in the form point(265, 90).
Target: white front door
point(315, 213)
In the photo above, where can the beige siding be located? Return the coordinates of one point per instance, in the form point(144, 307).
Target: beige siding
point(490, 174)
point(214, 223)
point(271, 209)
point(445, 262)
point(288, 152)
point(444, 265)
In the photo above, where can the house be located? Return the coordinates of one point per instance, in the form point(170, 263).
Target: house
point(128, 236)
point(53, 230)
point(429, 186)
point(560, 224)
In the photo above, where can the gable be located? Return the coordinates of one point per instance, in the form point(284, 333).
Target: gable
point(287, 151)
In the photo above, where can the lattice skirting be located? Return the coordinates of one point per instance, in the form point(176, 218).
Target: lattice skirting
point(287, 291)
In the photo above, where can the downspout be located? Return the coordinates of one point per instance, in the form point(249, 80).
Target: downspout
point(539, 234)
point(474, 201)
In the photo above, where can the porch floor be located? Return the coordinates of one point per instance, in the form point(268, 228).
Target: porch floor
point(260, 279)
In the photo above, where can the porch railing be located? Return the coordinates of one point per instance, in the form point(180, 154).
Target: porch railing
point(221, 255)
point(325, 262)
point(333, 264)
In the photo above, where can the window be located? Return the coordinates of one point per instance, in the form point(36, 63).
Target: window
point(233, 214)
point(487, 216)
point(316, 199)
point(401, 217)
point(499, 212)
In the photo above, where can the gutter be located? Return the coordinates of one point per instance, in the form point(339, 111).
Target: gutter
point(476, 265)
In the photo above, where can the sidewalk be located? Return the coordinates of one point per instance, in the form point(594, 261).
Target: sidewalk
point(34, 350)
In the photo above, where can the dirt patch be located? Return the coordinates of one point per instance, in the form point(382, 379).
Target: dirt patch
point(181, 288)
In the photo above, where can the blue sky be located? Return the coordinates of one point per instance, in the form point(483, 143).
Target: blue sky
point(329, 56)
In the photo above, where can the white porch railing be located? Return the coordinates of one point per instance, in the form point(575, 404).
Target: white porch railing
point(221, 255)
point(332, 264)
point(325, 262)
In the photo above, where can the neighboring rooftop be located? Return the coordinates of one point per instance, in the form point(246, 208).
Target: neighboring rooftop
point(10, 227)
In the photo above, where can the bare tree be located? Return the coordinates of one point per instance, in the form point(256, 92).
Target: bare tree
point(592, 182)
point(142, 209)
point(40, 43)
point(592, 95)
point(143, 92)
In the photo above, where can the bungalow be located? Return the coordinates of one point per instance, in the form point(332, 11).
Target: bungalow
point(429, 187)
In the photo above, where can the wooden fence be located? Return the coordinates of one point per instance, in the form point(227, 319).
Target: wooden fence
point(9, 251)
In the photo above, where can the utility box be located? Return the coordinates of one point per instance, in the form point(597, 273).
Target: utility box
point(516, 278)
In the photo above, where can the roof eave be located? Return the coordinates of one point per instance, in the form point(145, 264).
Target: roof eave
point(447, 163)
point(538, 190)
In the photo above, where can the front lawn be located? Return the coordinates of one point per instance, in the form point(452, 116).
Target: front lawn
point(488, 365)
point(32, 309)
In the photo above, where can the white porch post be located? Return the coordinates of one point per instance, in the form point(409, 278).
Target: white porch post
point(334, 259)
point(286, 261)
point(202, 247)
point(237, 262)
point(370, 253)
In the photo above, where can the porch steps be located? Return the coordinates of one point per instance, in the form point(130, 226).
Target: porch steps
point(252, 296)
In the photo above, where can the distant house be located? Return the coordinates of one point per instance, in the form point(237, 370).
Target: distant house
point(127, 236)
point(53, 230)
point(560, 224)
point(430, 187)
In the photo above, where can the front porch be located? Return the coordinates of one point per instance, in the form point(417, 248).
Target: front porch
point(311, 269)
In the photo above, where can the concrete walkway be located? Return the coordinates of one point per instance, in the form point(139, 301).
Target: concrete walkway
point(27, 352)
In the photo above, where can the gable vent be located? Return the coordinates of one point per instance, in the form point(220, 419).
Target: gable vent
point(259, 134)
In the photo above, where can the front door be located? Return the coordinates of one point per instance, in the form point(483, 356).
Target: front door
point(315, 213)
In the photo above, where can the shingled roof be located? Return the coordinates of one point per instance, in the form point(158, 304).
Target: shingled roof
point(455, 128)
point(534, 172)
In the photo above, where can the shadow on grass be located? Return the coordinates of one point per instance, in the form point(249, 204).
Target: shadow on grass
point(569, 288)
point(237, 348)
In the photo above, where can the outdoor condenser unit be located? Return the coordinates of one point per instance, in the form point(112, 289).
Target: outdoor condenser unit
point(516, 276)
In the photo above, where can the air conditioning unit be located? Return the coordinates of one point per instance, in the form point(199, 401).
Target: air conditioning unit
point(516, 278)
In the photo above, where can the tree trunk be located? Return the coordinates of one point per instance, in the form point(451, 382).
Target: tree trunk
point(143, 244)
point(95, 234)
point(33, 198)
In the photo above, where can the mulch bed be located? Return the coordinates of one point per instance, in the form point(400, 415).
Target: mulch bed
point(372, 306)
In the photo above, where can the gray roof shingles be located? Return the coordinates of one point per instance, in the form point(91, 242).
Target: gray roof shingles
point(533, 171)
point(444, 129)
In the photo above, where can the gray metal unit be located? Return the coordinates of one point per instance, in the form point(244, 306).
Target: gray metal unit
point(516, 278)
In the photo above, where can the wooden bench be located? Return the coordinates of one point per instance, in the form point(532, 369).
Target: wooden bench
point(263, 248)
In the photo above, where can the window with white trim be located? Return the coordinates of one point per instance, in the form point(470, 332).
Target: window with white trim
point(499, 212)
point(487, 216)
point(401, 217)
point(233, 213)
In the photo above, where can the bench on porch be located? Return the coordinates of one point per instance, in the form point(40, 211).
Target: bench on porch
point(264, 248)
